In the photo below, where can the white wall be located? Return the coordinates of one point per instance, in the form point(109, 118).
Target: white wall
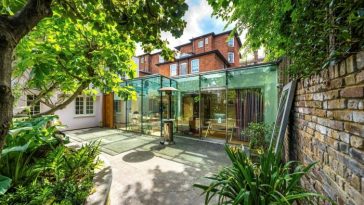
point(67, 115)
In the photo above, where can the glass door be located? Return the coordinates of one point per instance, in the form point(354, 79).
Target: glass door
point(244, 107)
point(213, 113)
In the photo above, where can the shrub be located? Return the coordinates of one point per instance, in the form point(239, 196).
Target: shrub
point(265, 182)
point(258, 134)
point(37, 168)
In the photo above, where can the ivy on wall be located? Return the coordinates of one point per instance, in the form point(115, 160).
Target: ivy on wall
point(312, 33)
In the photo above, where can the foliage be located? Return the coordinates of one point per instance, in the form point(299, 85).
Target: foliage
point(310, 33)
point(42, 169)
point(87, 46)
point(258, 133)
point(65, 55)
point(265, 182)
point(26, 140)
point(5, 183)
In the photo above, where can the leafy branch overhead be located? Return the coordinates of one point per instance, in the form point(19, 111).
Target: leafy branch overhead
point(93, 42)
point(311, 33)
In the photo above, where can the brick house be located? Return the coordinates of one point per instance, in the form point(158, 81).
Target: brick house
point(203, 53)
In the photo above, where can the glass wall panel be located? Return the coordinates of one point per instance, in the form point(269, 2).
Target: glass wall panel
point(252, 98)
point(151, 106)
point(215, 80)
point(188, 122)
point(134, 108)
point(213, 113)
point(119, 111)
point(166, 82)
point(213, 105)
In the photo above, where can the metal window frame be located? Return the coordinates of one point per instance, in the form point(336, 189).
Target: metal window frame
point(290, 88)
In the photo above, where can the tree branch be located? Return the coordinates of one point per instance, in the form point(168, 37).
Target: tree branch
point(79, 90)
point(28, 17)
point(40, 95)
point(64, 68)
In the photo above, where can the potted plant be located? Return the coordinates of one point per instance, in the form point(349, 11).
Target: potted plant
point(258, 134)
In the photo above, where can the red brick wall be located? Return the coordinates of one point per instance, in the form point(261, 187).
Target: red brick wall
point(327, 126)
point(150, 62)
point(220, 43)
point(154, 60)
point(186, 48)
point(144, 65)
point(214, 43)
point(205, 47)
point(208, 62)
point(164, 69)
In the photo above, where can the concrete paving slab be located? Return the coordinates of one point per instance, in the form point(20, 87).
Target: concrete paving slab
point(145, 172)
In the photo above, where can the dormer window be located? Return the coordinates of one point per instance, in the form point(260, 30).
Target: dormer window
point(161, 59)
point(200, 44)
point(231, 42)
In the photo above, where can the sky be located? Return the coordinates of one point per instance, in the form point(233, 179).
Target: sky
point(199, 22)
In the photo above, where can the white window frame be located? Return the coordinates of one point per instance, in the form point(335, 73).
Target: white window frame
point(180, 69)
point(85, 106)
point(142, 59)
point(231, 60)
point(35, 109)
point(231, 42)
point(173, 69)
point(206, 41)
point(161, 59)
point(200, 44)
point(194, 66)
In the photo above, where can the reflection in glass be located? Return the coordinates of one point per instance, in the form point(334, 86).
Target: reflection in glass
point(213, 113)
point(151, 103)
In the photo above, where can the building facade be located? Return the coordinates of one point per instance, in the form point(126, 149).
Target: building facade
point(204, 53)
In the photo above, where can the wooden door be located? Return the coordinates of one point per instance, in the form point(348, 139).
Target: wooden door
point(108, 110)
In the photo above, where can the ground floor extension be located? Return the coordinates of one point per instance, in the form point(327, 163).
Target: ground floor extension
point(215, 105)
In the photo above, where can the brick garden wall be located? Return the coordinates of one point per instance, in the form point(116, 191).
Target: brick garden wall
point(327, 125)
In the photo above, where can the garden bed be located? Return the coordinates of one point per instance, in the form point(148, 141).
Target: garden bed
point(36, 166)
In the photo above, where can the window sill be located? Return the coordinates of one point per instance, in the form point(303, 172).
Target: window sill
point(84, 116)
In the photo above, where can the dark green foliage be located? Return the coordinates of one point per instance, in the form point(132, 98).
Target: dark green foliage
point(42, 169)
point(258, 134)
point(265, 182)
point(312, 33)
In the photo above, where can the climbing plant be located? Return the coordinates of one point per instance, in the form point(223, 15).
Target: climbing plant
point(312, 33)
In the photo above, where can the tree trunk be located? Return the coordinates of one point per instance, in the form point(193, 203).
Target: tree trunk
point(12, 30)
point(6, 97)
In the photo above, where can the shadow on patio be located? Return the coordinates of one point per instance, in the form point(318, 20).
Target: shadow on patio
point(145, 172)
point(166, 187)
point(186, 151)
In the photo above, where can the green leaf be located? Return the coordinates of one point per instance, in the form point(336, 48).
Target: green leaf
point(22, 148)
point(5, 183)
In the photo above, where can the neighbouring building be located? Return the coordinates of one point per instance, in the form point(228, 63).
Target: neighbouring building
point(204, 53)
point(83, 112)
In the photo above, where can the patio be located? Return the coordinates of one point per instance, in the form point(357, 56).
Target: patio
point(145, 172)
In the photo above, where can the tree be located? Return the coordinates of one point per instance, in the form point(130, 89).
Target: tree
point(142, 21)
point(65, 56)
point(311, 33)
